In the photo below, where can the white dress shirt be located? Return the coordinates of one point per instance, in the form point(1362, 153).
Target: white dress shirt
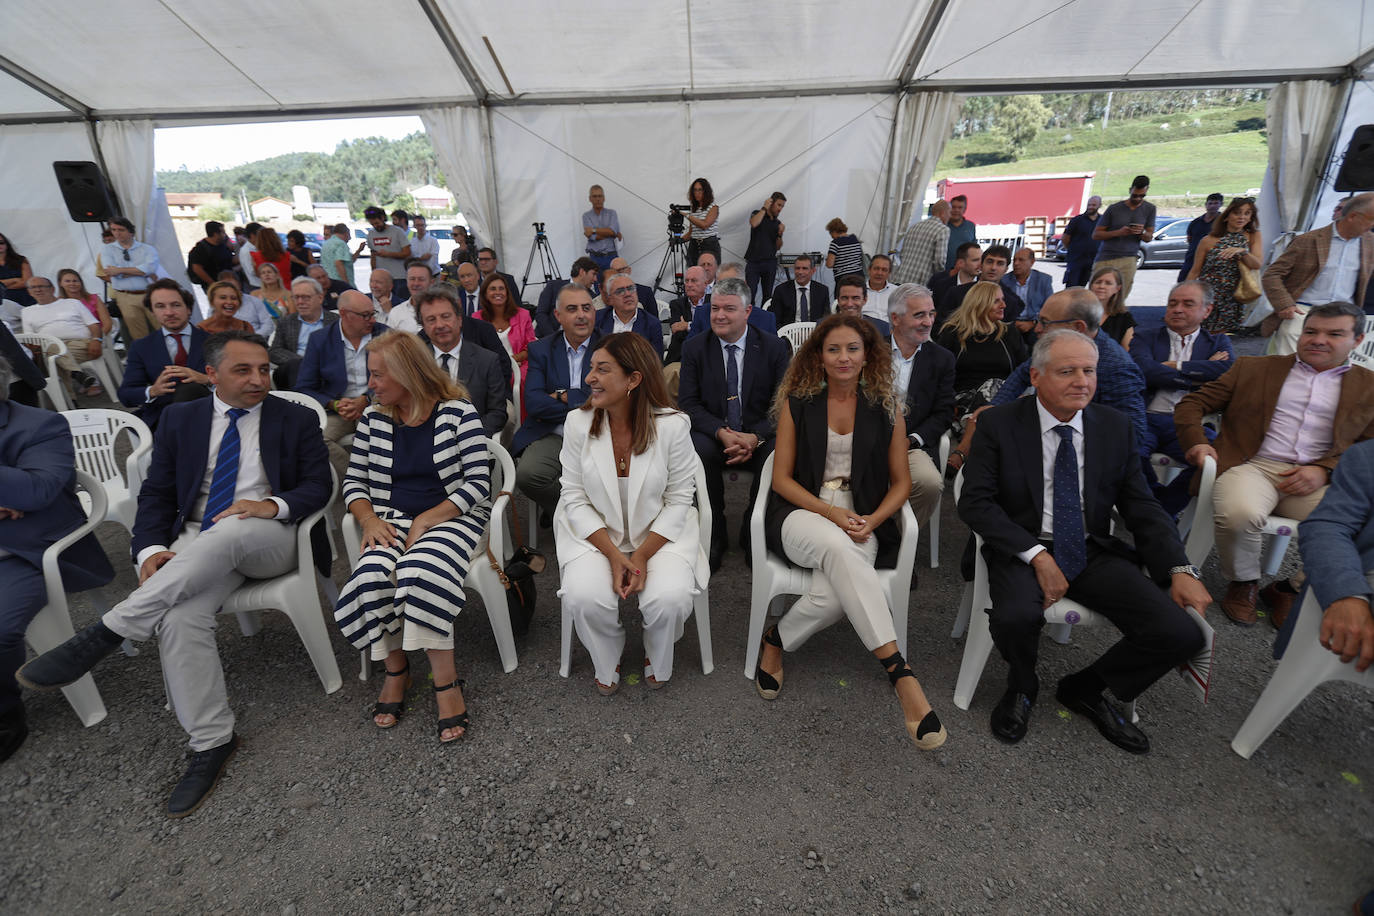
point(901, 369)
point(355, 361)
point(1049, 450)
point(1340, 274)
point(1180, 351)
point(620, 327)
point(875, 306)
point(576, 356)
point(402, 318)
point(426, 248)
point(739, 356)
point(451, 354)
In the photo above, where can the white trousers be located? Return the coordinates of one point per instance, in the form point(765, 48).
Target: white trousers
point(179, 602)
point(665, 604)
point(843, 580)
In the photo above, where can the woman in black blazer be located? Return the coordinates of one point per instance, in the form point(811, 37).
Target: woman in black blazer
point(839, 475)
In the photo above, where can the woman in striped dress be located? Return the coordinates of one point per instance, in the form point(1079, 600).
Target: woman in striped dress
point(846, 253)
point(419, 486)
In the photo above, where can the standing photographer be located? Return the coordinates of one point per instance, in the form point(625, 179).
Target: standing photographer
point(702, 217)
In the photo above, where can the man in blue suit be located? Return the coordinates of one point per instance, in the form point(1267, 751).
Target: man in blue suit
point(334, 372)
point(166, 366)
point(1175, 359)
point(1337, 545)
point(554, 385)
point(38, 508)
point(623, 313)
point(729, 378)
point(766, 322)
point(230, 476)
point(1029, 285)
point(25, 379)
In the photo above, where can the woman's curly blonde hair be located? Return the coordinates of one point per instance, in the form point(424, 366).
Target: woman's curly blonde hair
point(806, 378)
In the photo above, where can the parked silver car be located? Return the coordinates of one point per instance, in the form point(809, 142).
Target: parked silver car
point(1169, 246)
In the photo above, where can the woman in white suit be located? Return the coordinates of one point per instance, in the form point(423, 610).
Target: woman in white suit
point(625, 524)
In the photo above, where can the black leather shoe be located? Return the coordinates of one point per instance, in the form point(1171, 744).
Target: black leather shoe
point(717, 558)
point(202, 773)
point(1114, 725)
point(1011, 716)
point(14, 728)
point(70, 661)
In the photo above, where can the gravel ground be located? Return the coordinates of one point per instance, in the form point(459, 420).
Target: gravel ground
point(697, 798)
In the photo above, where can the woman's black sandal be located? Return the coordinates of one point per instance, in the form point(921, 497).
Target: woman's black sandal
point(767, 685)
point(459, 721)
point(928, 734)
point(397, 709)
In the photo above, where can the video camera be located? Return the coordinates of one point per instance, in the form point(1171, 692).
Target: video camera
point(676, 223)
point(539, 233)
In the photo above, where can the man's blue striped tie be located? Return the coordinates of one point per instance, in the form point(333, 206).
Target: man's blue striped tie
point(226, 471)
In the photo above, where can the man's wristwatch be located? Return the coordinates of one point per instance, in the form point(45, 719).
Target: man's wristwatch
point(1190, 569)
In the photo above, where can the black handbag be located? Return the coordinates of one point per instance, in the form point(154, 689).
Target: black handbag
point(518, 576)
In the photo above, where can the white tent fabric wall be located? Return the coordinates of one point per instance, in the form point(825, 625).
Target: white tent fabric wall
point(1300, 118)
point(826, 154)
point(128, 150)
point(460, 144)
point(32, 212)
point(924, 122)
point(1359, 110)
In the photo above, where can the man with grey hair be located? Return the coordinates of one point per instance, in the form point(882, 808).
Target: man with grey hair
point(923, 377)
point(1040, 488)
point(1330, 264)
point(924, 247)
point(230, 477)
point(70, 322)
point(292, 331)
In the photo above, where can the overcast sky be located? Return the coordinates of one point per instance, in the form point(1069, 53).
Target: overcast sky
point(234, 144)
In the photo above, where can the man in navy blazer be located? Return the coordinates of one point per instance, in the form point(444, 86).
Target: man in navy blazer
point(38, 508)
point(555, 384)
point(1040, 485)
point(703, 394)
point(583, 273)
point(167, 366)
point(28, 379)
point(623, 313)
point(1029, 285)
point(1175, 359)
point(787, 296)
point(230, 477)
point(334, 372)
point(758, 318)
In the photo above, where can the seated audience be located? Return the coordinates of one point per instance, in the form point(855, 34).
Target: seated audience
point(992, 267)
point(21, 373)
point(293, 332)
point(476, 369)
point(614, 540)
point(967, 260)
point(402, 316)
point(799, 299)
point(513, 325)
point(701, 317)
point(729, 378)
point(1286, 421)
point(645, 294)
point(839, 477)
point(419, 487)
point(468, 283)
point(878, 289)
point(682, 309)
point(624, 313)
point(207, 521)
point(167, 366)
point(708, 261)
point(851, 292)
point(1039, 488)
point(380, 293)
point(555, 385)
point(1175, 359)
point(331, 288)
point(225, 300)
point(72, 286)
point(251, 308)
point(333, 371)
point(70, 322)
point(1107, 285)
point(923, 376)
point(275, 295)
point(38, 508)
point(15, 272)
point(487, 265)
point(584, 271)
point(1029, 285)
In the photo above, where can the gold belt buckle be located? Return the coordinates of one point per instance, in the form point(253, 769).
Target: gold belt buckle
point(836, 483)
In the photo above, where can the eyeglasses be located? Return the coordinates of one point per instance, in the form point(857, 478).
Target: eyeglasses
point(622, 290)
point(372, 314)
point(1046, 322)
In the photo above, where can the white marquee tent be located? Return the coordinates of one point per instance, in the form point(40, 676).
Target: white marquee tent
point(845, 108)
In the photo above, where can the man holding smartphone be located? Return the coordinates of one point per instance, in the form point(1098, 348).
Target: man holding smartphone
point(1121, 229)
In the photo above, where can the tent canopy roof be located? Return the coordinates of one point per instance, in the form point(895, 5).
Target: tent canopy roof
point(188, 61)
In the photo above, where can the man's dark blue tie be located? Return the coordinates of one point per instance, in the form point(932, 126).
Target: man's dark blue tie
point(226, 471)
point(803, 310)
point(732, 405)
point(1070, 549)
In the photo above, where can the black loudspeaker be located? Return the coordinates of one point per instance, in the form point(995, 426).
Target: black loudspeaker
point(85, 191)
point(1357, 169)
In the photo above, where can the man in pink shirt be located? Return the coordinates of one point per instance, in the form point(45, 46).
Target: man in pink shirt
point(1287, 420)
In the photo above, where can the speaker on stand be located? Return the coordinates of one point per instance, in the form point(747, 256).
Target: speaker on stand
point(84, 191)
point(1357, 166)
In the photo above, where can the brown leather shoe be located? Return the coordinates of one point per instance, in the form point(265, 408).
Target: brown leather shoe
point(1239, 603)
point(1279, 603)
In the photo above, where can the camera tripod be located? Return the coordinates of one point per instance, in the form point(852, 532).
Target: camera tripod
point(547, 264)
point(674, 264)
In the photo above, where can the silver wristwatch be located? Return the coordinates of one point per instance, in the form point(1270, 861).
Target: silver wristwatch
point(1190, 569)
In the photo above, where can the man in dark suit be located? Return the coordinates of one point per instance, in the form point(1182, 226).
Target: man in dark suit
point(624, 313)
point(584, 272)
point(477, 368)
point(645, 294)
point(851, 292)
point(38, 508)
point(334, 372)
point(1039, 488)
point(555, 384)
point(332, 288)
point(923, 375)
point(167, 366)
point(992, 267)
point(24, 376)
point(229, 477)
point(967, 258)
point(683, 309)
point(1175, 359)
point(729, 378)
point(294, 330)
point(799, 299)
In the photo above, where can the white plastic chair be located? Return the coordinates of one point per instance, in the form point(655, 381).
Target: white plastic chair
point(701, 605)
point(933, 524)
point(95, 433)
point(1363, 355)
point(1305, 665)
point(481, 577)
point(1278, 529)
point(52, 349)
point(53, 624)
point(796, 334)
point(773, 577)
point(305, 400)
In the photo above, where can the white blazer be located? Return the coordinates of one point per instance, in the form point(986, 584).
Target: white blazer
point(662, 484)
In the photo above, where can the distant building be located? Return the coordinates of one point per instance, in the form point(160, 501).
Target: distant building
point(270, 208)
point(187, 205)
point(430, 197)
point(300, 200)
point(332, 211)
